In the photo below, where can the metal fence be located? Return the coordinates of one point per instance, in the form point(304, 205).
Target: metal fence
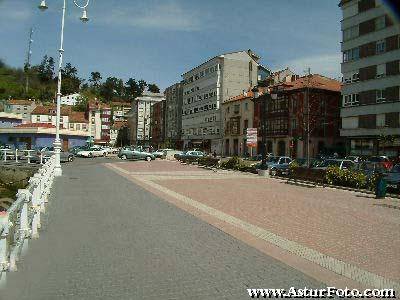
point(22, 220)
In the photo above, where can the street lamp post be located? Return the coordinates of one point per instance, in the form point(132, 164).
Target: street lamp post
point(57, 142)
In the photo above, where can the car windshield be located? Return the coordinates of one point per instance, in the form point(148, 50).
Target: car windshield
point(273, 159)
point(329, 163)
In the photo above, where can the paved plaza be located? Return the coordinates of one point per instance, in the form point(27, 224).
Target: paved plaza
point(348, 233)
point(106, 237)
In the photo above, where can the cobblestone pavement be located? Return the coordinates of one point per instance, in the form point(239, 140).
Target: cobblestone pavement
point(346, 226)
point(106, 237)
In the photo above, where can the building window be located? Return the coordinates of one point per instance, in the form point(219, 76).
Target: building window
point(350, 33)
point(380, 70)
point(71, 126)
point(351, 100)
point(380, 23)
point(380, 96)
point(236, 108)
point(245, 126)
point(367, 121)
point(78, 126)
point(246, 106)
point(380, 46)
point(351, 54)
point(37, 118)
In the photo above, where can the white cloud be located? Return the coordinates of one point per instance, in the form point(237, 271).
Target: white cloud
point(325, 64)
point(166, 16)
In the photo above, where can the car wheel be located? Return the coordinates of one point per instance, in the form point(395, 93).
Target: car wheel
point(148, 158)
point(90, 155)
point(70, 158)
point(273, 172)
point(123, 157)
point(104, 154)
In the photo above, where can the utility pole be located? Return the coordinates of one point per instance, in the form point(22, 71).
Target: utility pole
point(308, 115)
point(28, 61)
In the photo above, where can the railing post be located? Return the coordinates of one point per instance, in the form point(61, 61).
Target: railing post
point(16, 155)
point(41, 158)
point(5, 224)
point(5, 154)
point(37, 205)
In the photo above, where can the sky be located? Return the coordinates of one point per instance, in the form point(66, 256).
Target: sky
point(158, 40)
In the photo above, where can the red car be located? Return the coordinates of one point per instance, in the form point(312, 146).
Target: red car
point(384, 160)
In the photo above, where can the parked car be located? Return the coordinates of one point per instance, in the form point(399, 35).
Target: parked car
point(393, 179)
point(135, 153)
point(356, 159)
point(284, 169)
point(47, 152)
point(179, 154)
point(343, 164)
point(94, 151)
point(386, 162)
point(274, 162)
point(161, 152)
point(193, 154)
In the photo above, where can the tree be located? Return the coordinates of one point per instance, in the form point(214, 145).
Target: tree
point(95, 79)
point(70, 81)
point(152, 87)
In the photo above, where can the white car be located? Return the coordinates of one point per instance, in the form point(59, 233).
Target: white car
point(161, 152)
point(93, 152)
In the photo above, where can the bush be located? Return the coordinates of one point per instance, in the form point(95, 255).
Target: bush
point(231, 163)
point(208, 161)
point(348, 178)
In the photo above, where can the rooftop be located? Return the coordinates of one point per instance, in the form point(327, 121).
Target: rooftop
point(20, 102)
point(51, 110)
point(77, 117)
point(314, 81)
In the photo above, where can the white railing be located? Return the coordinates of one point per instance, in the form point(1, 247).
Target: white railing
point(16, 155)
point(22, 220)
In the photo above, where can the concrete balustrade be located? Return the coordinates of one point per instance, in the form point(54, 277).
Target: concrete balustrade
point(22, 221)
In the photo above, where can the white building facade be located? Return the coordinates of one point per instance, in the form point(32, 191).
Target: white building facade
point(208, 85)
point(70, 100)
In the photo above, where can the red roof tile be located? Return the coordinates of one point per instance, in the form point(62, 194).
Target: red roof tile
point(35, 125)
point(315, 81)
point(51, 110)
point(20, 102)
point(77, 117)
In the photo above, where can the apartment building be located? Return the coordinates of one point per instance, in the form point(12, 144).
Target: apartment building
point(238, 113)
point(208, 85)
point(371, 78)
point(157, 124)
point(21, 108)
point(307, 104)
point(139, 118)
point(99, 117)
point(120, 110)
point(173, 115)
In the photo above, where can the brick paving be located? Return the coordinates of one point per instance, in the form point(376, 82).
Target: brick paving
point(344, 225)
point(106, 237)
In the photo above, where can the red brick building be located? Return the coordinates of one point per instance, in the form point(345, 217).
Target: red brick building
point(288, 122)
point(157, 124)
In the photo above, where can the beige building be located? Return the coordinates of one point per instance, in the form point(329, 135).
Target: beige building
point(205, 88)
point(238, 114)
point(22, 108)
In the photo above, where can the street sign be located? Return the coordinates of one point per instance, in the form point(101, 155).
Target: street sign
point(251, 137)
